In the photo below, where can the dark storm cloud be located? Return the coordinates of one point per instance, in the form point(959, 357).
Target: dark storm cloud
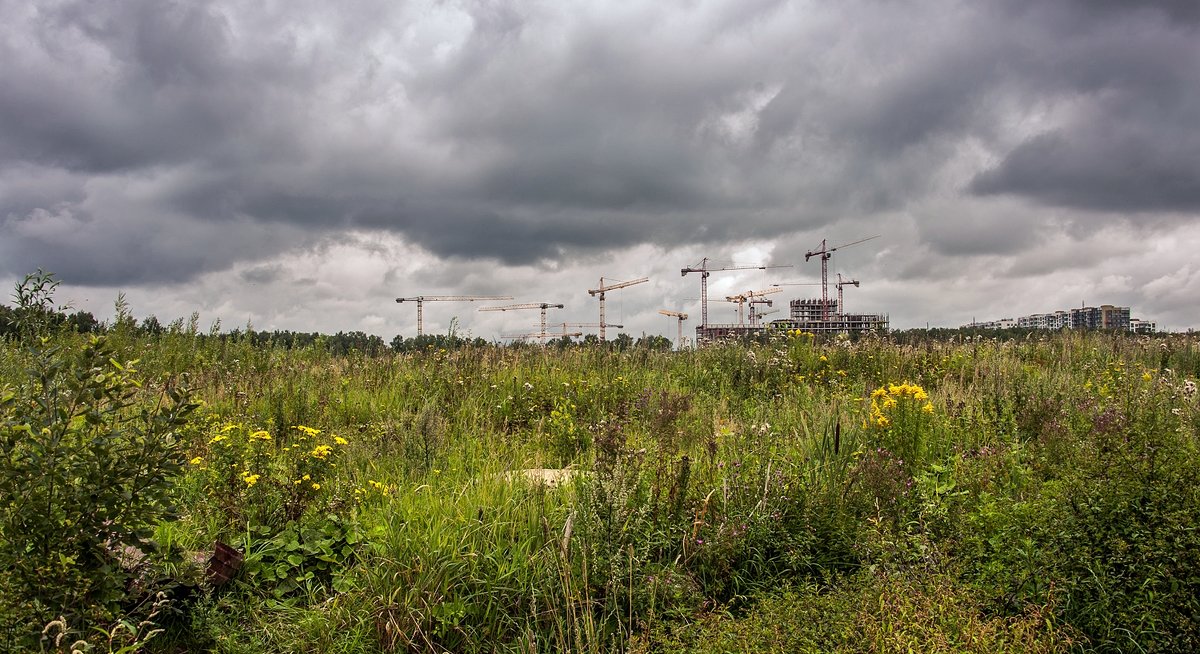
point(191, 136)
point(1111, 171)
point(1131, 74)
point(112, 86)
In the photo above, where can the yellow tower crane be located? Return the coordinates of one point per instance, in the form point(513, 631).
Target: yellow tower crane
point(602, 289)
point(749, 296)
point(533, 305)
point(679, 317)
point(564, 325)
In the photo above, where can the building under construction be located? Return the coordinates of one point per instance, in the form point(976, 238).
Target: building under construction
point(812, 315)
point(821, 315)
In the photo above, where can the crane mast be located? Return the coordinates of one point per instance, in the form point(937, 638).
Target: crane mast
point(704, 270)
point(840, 283)
point(826, 253)
point(680, 317)
point(422, 299)
point(602, 289)
point(754, 316)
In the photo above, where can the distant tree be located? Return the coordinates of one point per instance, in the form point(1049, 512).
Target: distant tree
point(562, 342)
point(8, 321)
point(83, 322)
point(654, 342)
point(151, 325)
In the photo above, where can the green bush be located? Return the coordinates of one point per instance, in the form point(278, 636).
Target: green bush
point(86, 471)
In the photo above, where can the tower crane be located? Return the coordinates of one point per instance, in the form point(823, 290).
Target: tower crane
point(542, 335)
point(767, 313)
point(755, 315)
point(564, 325)
point(533, 305)
point(826, 253)
point(602, 289)
point(704, 268)
point(680, 317)
point(749, 296)
point(422, 299)
point(840, 283)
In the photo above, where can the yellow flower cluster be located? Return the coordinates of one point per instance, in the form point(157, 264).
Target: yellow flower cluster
point(901, 390)
point(321, 452)
point(374, 488)
point(885, 399)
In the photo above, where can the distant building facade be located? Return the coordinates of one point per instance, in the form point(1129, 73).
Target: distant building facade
point(1139, 326)
point(1106, 317)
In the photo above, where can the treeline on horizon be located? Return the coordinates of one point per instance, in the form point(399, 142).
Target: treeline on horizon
point(84, 322)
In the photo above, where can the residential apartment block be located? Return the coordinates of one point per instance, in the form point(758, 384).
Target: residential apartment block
point(1105, 316)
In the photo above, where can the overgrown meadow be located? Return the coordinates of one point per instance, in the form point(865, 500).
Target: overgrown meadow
point(880, 494)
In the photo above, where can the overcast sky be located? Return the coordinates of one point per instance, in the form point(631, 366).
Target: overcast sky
point(300, 164)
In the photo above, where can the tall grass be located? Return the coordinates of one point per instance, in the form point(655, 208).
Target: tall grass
point(712, 487)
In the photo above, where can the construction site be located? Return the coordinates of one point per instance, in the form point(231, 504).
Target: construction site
point(818, 315)
point(821, 315)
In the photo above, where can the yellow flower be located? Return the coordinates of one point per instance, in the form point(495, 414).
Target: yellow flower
point(1146, 376)
point(320, 452)
point(824, 358)
point(306, 478)
point(308, 430)
point(197, 461)
point(250, 479)
point(889, 403)
point(217, 439)
point(316, 486)
point(928, 408)
point(340, 441)
point(883, 421)
point(260, 435)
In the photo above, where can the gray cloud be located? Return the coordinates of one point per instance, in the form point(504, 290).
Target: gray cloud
point(1112, 170)
point(156, 142)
